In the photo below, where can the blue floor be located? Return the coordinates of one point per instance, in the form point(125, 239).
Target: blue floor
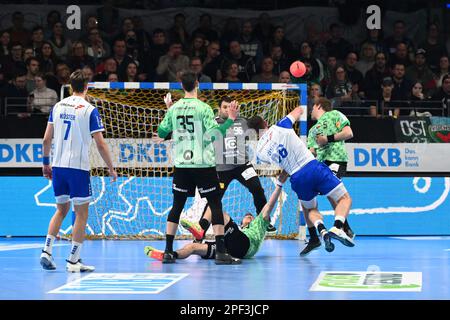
point(276, 273)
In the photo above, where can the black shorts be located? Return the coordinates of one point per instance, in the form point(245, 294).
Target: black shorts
point(245, 174)
point(338, 168)
point(236, 242)
point(185, 180)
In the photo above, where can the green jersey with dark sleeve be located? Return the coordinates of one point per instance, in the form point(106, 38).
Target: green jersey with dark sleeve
point(193, 128)
point(330, 123)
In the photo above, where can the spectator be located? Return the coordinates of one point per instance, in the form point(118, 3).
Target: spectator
point(197, 48)
point(266, 75)
point(127, 25)
point(79, 58)
point(399, 36)
point(246, 64)
point(340, 88)
point(230, 31)
point(16, 94)
point(213, 62)
point(133, 47)
point(402, 86)
point(32, 70)
point(88, 73)
point(47, 58)
point(280, 61)
point(337, 46)
point(158, 48)
point(37, 39)
point(375, 37)
point(375, 76)
point(317, 40)
point(401, 55)
point(62, 78)
point(143, 37)
point(419, 72)
point(42, 99)
point(353, 74)
point(52, 17)
point(264, 28)
point(61, 45)
point(120, 55)
point(5, 44)
point(13, 63)
point(196, 66)
point(91, 23)
point(18, 32)
point(417, 98)
point(28, 52)
point(250, 45)
point(108, 17)
point(328, 71)
point(97, 48)
point(306, 54)
point(443, 70)
point(310, 76)
point(384, 105)
point(285, 77)
point(109, 66)
point(232, 72)
point(206, 28)
point(434, 47)
point(131, 73)
point(178, 32)
point(278, 38)
point(172, 62)
point(314, 92)
point(443, 95)
point(367, 60)
point(113, 77)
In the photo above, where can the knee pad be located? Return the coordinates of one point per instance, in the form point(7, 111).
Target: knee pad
point(179, 201)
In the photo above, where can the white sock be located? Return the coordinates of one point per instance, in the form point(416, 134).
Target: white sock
point(48, 247)
point(340, 218)
point(75, 252)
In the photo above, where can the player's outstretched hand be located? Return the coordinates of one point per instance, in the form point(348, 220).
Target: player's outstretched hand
point(113, 175)
point(47, 172)
point(168, 100)
point(233, 110)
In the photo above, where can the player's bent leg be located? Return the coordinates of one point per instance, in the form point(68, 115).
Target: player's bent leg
point(194, 229)
point(317, 219)
point(314, 240)
point(344, 202)
point(179, 200)
point(348, 230)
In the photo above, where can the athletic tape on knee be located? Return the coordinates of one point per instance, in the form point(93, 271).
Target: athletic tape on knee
point(311, 204)
point(337, 192)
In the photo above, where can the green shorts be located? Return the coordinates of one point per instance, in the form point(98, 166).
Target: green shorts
point(256, 233)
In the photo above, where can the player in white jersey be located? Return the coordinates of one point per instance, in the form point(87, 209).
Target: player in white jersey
point(280, 145)
point(72, 124)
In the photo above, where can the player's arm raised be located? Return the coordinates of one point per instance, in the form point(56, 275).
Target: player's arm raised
point(103, 149)
point(165, 127)
point(47, 145)
point(267, 210)
point(210, 123)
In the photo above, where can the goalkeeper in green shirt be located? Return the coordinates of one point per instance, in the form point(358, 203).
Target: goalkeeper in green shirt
point(326, 140)
point(193, 129)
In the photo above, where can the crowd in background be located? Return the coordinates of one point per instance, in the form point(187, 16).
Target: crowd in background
point(368, 78)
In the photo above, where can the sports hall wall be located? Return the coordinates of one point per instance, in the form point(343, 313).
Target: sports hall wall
point(397, 188)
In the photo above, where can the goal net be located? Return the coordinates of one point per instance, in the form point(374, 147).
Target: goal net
point(137, 205)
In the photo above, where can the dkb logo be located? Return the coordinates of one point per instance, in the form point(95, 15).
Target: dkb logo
point(377, 157)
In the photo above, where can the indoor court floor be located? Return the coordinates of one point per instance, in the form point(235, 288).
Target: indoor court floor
point(277, 272)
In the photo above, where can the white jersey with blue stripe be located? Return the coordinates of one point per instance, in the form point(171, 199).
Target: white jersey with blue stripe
point(74, 121)
point(281, 146)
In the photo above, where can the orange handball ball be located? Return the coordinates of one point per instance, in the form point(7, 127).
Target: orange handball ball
point(298, 69)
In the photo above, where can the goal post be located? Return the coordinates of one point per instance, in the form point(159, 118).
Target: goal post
point(137, 205)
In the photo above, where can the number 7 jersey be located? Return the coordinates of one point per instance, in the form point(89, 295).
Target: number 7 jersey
point(74, 121)
point(281, 146)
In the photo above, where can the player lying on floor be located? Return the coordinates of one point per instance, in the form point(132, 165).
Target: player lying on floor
point(243, 243)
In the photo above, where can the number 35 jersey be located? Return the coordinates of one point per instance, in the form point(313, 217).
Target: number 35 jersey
point(281, 146)
point(74, 121)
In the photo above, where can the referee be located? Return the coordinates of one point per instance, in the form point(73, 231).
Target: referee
point(326, 140)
